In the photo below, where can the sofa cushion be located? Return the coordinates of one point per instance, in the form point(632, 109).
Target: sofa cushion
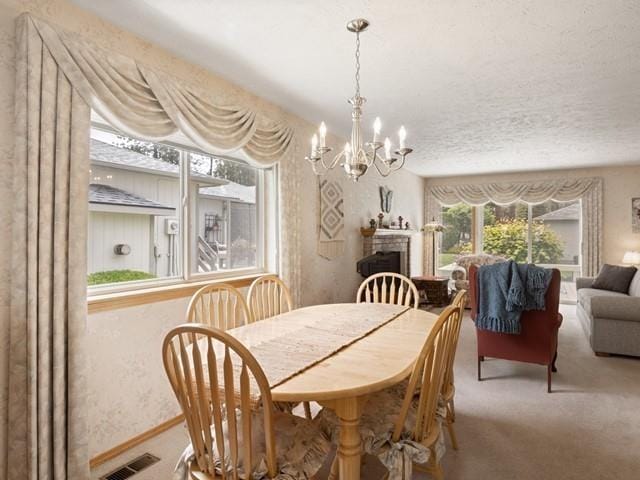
point(615, 278)
point(634, 288)
point(586, 294)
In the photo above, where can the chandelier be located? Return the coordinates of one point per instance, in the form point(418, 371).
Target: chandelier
point(357, 156)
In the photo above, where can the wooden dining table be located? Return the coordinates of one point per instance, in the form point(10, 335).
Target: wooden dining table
point(342, 381)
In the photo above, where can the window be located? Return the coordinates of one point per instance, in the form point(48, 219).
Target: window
point(547, 234)
point(141, 233)
point(457, 236)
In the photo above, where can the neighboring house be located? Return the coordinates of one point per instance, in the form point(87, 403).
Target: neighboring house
point(565, 222)
point(134, 200)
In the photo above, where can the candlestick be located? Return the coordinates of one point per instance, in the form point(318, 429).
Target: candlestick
point(314, 145)
point(387, 148)
point(377, 125)
point(323, 135)
point(402, 135)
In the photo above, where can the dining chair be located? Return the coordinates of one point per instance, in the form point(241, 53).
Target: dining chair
point(448, 386)
point(213, 374)
point(410, 409)
point(220, 306)
point(268, 296)
point(388, 287)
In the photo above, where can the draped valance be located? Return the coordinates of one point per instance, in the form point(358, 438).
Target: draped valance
point(149, 104)
point(505, 193)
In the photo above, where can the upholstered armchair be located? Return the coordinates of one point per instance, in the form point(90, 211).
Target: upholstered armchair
point(538, 339)
point(460, 273)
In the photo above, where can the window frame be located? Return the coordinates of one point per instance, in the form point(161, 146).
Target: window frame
point(187, 218)
point(477, 240)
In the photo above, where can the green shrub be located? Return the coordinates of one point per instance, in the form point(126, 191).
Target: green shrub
point(115, 276)
point(509, 238)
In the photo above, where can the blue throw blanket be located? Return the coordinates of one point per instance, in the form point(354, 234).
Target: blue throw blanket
point(507, 289)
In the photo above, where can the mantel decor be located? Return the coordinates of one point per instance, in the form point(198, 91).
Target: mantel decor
point(357, 156)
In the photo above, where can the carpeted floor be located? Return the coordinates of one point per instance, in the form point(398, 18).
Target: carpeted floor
point(508, 426)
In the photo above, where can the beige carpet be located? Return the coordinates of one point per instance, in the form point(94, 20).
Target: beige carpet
point(510, 428)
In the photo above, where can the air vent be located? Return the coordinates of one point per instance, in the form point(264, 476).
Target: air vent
point(134, 466)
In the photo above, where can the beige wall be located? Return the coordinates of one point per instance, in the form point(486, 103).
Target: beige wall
point(621, 184)
point(128, 391)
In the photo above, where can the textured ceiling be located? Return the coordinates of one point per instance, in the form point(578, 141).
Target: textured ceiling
point(482, 86)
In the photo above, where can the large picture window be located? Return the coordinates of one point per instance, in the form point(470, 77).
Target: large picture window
point(548, 234)
point(140, 230)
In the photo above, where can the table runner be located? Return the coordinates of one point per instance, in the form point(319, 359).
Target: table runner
point(319, 333)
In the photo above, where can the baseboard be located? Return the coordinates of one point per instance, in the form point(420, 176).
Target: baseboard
point(132, 442)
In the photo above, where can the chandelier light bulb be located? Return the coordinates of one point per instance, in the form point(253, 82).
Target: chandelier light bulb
point(377, 126)
point(387, 149)
point(323, 135)
point(402, 135)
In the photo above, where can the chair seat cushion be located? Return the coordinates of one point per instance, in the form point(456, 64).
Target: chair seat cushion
point(377, 423)
point(301, 449)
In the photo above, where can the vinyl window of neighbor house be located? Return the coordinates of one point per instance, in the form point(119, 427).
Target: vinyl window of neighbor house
point(140, 232)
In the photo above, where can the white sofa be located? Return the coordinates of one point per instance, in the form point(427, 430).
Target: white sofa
point(611, 320)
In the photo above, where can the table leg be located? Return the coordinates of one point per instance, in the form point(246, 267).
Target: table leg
point(349, 450)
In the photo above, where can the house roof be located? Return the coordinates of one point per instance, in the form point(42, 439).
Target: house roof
point(232, 191)
point(108, 195)
point(105, 154)
point(570, 212)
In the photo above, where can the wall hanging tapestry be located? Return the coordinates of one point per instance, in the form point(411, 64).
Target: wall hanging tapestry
point(331, 221)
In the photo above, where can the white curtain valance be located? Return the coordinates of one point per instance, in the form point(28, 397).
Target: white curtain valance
point(505, 193)
point(149, 104)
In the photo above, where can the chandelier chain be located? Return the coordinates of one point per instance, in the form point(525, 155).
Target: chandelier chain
point(357, 64)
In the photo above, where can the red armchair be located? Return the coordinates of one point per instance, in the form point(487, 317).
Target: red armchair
point(538, 339)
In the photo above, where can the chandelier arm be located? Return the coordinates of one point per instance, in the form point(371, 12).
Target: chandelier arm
point(380, 172)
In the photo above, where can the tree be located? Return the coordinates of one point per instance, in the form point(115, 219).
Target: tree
point(509, 238)
point(234, 172)
point(205, 164)
point(458, 222)
point(150, 149)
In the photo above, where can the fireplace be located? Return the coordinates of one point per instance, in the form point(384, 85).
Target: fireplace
point(379, 262)
point(397, 242)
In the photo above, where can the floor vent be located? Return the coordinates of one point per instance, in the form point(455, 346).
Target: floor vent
point(134, 466)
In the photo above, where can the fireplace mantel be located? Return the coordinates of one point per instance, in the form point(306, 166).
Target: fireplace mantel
point(381, 232)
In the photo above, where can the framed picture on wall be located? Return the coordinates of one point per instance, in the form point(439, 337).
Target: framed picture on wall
point(635, 215)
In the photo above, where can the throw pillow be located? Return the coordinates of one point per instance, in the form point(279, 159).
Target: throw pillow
point(614, 278)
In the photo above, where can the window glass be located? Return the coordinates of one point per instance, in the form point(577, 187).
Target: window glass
point(224, 201)
point(505, 231)
point(135, 228)
point(134, 210)
point(456, 237)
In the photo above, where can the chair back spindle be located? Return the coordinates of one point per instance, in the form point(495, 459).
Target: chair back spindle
point(268, 296)
point(388, 287)
point(220, 306)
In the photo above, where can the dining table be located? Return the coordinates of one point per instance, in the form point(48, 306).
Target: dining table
point(337, 355)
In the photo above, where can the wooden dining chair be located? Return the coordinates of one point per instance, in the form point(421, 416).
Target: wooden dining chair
point(225, 397)
point(268, 296)
point(388, 287)
point(417, 405)
point(448, 386)
point(220, 306)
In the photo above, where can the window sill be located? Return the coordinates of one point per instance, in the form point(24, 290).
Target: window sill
point(113, 301)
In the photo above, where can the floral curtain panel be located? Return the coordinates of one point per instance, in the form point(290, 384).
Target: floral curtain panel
point(59, 80)
point(588, 190)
